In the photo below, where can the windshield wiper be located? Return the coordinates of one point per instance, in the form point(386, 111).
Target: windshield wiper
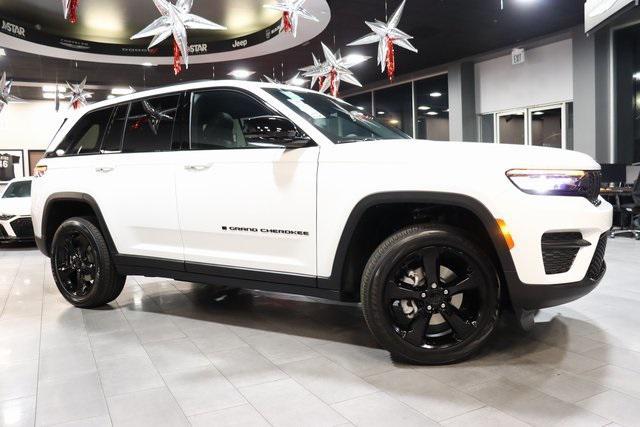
point(346, 140)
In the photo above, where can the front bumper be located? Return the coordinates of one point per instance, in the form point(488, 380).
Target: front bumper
point(17, 229)
point(532, 297)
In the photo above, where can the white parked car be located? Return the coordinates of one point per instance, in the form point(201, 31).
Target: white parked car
point(15, 211)
point(284, 189)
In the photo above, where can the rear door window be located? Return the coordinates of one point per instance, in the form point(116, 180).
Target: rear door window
point(149, 126)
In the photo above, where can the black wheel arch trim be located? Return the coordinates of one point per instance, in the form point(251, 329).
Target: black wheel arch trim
point(43, 242)
point(445, 199)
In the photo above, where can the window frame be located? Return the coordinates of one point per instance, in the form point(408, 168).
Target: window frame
point(113, 112)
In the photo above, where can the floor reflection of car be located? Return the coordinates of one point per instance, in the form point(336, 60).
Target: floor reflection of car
point(15, 212)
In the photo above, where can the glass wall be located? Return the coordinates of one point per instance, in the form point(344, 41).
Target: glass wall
point(627, 94)
point(422, 105)
point(394, 106)
point(432, 108)
point(362, 102)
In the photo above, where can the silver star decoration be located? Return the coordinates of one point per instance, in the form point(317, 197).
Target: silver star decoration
point(292, 11)
point(176, 20)
point(5, 92)
point(383, 33)
point(332, 71)
point(78, 96)
point(155, 116)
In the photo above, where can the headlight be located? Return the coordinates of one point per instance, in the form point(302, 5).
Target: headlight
point(557, 182)
point(4, 217)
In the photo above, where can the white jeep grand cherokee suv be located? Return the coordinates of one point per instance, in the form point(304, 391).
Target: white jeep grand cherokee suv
point(283, 189)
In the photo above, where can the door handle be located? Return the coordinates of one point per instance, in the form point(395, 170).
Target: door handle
point(198, 168)
point(104, 169)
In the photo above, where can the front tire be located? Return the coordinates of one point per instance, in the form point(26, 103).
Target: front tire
point(430, 295)
point(81, 265)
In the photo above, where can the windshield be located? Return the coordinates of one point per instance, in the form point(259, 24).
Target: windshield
point(338, 120)
point(18, 189)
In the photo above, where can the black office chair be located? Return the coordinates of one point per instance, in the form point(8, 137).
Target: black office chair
point(632, 211)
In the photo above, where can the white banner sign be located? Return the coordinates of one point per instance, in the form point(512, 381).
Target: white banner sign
point(596, 12)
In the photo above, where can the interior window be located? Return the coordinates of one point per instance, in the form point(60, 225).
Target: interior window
point(150, 125)
point(112, 142)
point(227, 119)
point(86, 135)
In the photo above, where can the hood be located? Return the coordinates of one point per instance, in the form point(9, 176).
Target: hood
point(18, 206)
point(471, 155)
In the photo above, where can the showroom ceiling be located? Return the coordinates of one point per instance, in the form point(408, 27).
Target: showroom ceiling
point(444, 30)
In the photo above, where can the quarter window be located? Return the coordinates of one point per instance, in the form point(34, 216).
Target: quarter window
point(150, 125)
point(86, 135)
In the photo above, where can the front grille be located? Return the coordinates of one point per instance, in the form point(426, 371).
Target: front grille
point(23, 228)
point(559, 251)
point(597, 263)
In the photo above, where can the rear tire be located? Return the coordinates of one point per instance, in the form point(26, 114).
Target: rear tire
point(430, 295)
point(81, 265)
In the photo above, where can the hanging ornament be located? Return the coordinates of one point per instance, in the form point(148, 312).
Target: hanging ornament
point(78, 96)
point(292, 10)
point(387, 35)
point(332, 71)
point(5, 92)
point(70, 10)
point(176, 20)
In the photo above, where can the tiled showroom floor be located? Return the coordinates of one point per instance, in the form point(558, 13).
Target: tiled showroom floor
point(167, 354)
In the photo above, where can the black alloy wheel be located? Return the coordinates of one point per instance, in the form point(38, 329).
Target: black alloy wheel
point(430, 295)
point(81, 264)
point(75, 263)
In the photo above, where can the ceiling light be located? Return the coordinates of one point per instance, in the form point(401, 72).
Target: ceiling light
point(51, 95)
point(122, 90)
point(538, 113)
point(360, 108)
point(147, 64)
point(636, 76)
point(3, 52)
point(432, 113)
point(354, 59)
point(380, 113)
point(435, 94)
point(424, 108)
point(297, 81)
point(241, 73)
point(394, 121)
point(52, 88)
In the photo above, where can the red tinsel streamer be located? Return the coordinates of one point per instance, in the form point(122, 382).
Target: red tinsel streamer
point(320, 81)
point(287, 26)
point(391, 59)
point(334, 88)
point(177, 59)
point(73, 11)
point(75, 105)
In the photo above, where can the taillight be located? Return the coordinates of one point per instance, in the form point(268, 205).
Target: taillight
point(39, 171)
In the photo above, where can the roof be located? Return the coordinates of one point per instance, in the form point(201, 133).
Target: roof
point(202, 84)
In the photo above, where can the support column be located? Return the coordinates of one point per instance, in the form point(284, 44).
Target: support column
point(463, 124)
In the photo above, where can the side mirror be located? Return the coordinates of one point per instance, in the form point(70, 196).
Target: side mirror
point(274, 130)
